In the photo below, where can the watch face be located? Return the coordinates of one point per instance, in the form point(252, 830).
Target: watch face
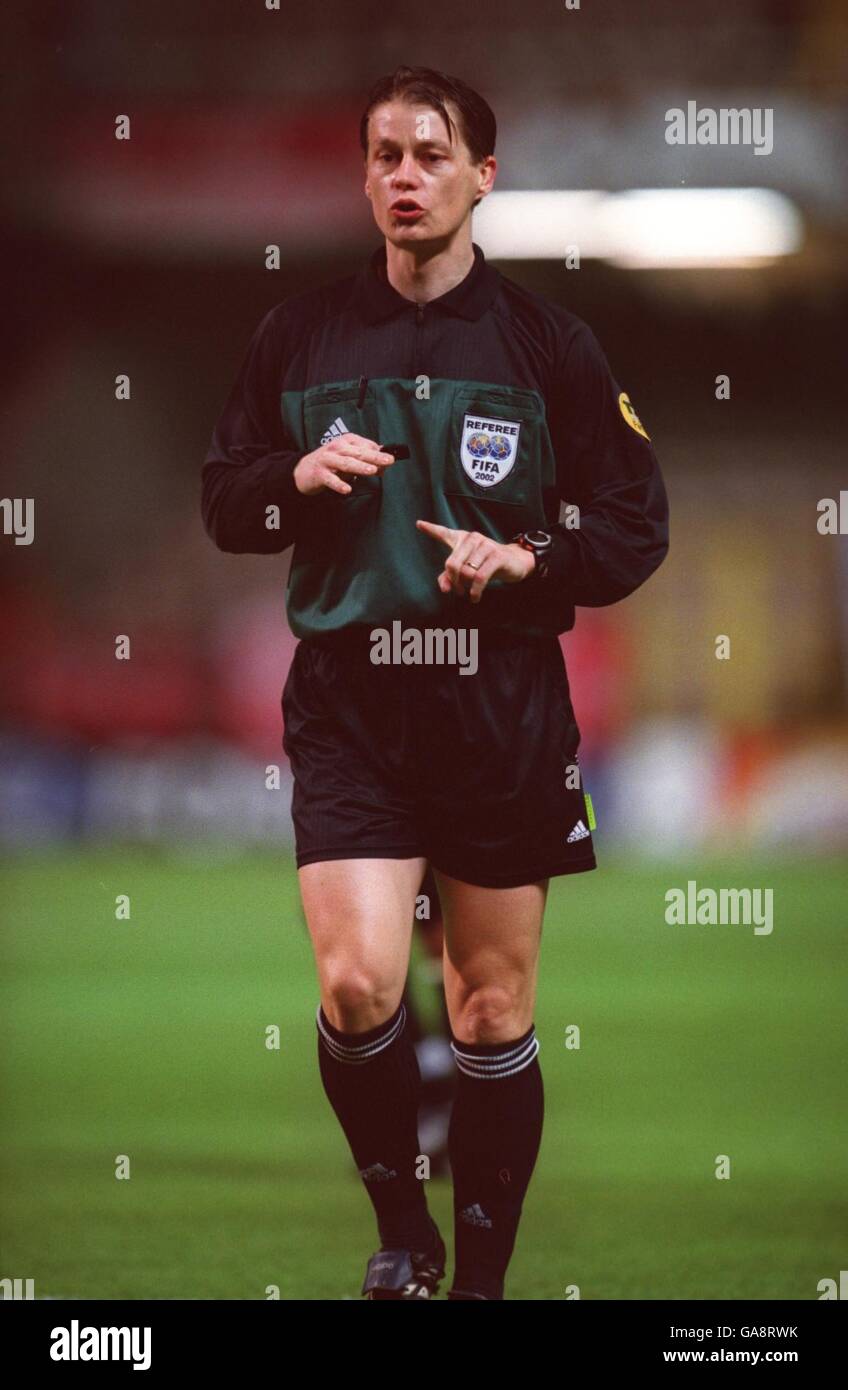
point(538, 538)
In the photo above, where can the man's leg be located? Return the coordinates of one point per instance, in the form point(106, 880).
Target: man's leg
point(360, 913)
point(492, 938)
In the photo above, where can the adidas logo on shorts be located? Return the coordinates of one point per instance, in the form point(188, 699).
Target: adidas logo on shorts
point(334, 430)
point(578, 833)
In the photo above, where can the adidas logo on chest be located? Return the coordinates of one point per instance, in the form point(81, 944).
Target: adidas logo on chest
point(338, 427)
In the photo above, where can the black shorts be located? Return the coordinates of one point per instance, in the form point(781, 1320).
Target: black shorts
point(473, 772)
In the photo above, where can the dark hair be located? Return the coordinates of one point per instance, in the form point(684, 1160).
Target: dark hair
point(477, 119)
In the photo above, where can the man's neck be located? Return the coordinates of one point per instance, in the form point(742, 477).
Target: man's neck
point(422, 277)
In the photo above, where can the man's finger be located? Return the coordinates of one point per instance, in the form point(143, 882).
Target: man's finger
point(483, 575)
point(341, 441)
point(462, 552)
point(349, 463)
point(365, 452)
point(446, 534)
point(334, 483)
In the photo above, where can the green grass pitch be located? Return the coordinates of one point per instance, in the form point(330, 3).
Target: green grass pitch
point(147, 1038)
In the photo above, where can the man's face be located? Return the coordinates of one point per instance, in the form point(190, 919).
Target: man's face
point(421, 186)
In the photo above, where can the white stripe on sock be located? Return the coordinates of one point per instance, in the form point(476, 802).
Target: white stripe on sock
point(363, 1052)
point(501, 1064)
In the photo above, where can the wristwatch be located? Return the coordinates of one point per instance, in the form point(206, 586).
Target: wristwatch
point(539, 543)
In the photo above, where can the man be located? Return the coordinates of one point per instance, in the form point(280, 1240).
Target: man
point(494, 406)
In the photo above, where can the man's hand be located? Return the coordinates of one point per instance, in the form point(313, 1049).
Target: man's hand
point(347, 453)
point(475, 559)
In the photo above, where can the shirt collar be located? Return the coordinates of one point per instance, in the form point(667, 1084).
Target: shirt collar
point(377, 299)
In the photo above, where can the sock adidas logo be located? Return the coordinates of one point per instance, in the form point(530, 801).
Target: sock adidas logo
point(377, 1173)
point(334, 430)
point(475, 1216)
point(578, 833)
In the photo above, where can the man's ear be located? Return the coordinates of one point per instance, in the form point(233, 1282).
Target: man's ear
point(489, 165)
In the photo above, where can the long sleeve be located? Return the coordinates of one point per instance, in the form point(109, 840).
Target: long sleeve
point(250, 463)
point(607, 466)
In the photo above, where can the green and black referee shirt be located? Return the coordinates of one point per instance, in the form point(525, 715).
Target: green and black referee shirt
point(508, 407)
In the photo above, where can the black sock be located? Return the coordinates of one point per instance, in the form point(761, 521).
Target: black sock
point(373, 1082)
point(494, 1139)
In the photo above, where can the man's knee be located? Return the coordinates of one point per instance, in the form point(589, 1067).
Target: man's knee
point(490, 1014)
point(357, 998)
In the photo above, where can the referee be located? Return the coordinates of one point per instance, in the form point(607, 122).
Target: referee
point(412, 430)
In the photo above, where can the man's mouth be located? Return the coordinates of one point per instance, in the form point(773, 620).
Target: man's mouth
point(406, 209)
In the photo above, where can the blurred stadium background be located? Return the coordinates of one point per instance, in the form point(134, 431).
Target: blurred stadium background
point(147, 257)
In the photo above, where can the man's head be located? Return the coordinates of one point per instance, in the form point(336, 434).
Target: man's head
point(428, 141)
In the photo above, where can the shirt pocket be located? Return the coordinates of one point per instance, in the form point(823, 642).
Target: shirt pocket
point(499, 457)
point(331, 412)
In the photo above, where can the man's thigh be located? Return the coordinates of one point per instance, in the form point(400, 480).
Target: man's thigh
point(360, 914)
point(491, 957)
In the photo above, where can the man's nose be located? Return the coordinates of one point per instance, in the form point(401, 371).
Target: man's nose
point(406, 171)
